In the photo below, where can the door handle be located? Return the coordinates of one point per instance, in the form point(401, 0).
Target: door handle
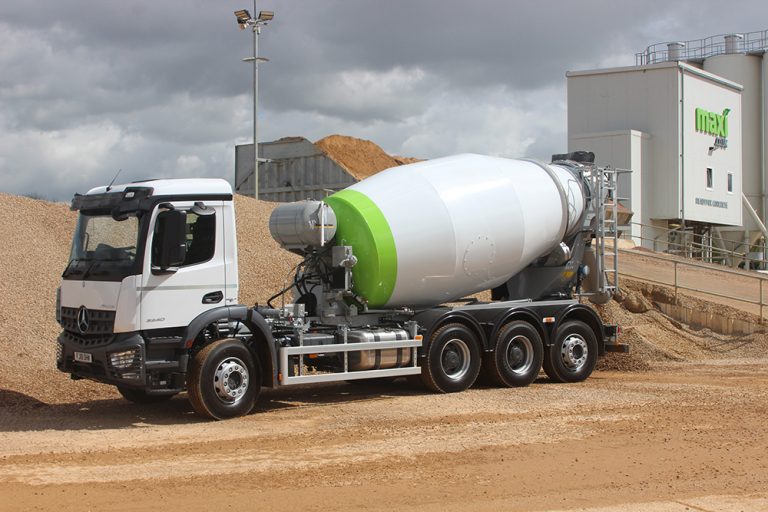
point(213, 298)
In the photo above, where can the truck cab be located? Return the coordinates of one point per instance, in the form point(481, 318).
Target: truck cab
point(147, 259)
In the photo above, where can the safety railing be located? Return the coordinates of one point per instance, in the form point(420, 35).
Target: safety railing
point(698, 49)
point(738, 253)
point(731, 279)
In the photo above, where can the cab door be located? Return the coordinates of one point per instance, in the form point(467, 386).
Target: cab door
point(174, 296)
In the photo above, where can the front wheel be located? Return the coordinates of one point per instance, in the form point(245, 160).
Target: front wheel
point(573, 355)
point(224, 380)
point(517, 356)
point(453, 359)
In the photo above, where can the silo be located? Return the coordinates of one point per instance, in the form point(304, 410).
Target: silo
point(764, 90)
point(747, 70)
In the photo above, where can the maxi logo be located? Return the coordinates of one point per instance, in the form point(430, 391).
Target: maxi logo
point(712, 123)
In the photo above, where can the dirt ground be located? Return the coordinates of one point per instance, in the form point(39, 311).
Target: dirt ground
point(685, 436)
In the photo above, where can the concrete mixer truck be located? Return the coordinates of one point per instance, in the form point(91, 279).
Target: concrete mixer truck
point(149, 300)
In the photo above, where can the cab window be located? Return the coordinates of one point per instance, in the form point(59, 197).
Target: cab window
point(200, 239)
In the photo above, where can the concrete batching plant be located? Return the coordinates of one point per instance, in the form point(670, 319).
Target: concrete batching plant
point(691, 121)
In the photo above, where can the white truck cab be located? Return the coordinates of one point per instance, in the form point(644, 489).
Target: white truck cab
point(147, 259)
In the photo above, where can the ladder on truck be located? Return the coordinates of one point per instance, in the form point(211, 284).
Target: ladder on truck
point(607, 228)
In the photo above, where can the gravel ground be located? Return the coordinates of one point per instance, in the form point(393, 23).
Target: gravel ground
point(677, 435)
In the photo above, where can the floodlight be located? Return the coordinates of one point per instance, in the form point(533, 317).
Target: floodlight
point(266, 15)
point(243, 17)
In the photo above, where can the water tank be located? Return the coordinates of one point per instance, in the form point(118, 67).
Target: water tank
point(438, 230)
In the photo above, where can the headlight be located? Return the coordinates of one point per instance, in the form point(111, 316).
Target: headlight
point(125, 359)
point(59, 352)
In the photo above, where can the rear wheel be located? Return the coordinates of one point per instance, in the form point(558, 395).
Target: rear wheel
point(573, 356)
point(139, 396)
point(517, 356)
point(224, 380)
point(453, 359)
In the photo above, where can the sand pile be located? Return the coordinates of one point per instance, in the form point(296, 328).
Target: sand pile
point(264, 267)
point(36, 240)
point(654, 337)
point(360, 158)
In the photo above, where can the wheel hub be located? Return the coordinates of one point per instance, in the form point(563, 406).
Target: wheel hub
point(520, 354)
point(231, 380)
point(574, 352)
point(455, 359)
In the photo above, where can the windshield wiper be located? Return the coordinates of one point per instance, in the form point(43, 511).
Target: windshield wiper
point(68, 270)
point(90, 267)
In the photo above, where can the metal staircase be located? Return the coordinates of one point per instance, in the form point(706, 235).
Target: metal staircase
point(607, 228)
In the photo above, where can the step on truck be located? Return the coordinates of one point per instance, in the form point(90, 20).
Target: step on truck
point(149, 299)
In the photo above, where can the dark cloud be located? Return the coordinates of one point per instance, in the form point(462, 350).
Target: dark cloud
point(159, 88)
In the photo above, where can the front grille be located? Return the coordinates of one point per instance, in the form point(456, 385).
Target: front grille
point(100, 322)
point(86, 341)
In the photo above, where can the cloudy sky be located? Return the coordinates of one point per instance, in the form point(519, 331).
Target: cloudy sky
point(158, 89)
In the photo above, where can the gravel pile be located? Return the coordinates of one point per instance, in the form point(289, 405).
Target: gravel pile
point(36, 240)
point(360, 158)
point(264, 267)
point(654, 337)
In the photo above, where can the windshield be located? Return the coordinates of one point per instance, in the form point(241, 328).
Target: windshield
point(103, 248)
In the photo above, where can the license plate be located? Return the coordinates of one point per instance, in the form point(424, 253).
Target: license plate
point(83, 357)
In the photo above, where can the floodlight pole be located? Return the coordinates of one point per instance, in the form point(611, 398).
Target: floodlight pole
point(245, 19)
point(256, 29)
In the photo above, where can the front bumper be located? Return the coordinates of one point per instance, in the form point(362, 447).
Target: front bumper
point(120, 360)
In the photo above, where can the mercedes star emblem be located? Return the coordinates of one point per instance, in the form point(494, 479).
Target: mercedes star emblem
point(83, 320)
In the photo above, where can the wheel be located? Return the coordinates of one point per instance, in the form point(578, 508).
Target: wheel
point(224, 380)
point(517, 357)
point(139, 396)
point(453, 359)
point(573, 355)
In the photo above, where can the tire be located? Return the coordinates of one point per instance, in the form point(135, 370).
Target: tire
point(573, 356)
point(453, 359)
point(517, 356)
point(224, 380)
point(139, 396)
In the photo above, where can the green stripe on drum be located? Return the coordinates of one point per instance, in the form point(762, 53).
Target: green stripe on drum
point(361, 224)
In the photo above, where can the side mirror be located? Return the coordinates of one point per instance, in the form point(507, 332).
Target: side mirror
point(169, 246)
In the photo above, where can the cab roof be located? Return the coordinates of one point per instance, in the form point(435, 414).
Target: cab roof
point(174, 187)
